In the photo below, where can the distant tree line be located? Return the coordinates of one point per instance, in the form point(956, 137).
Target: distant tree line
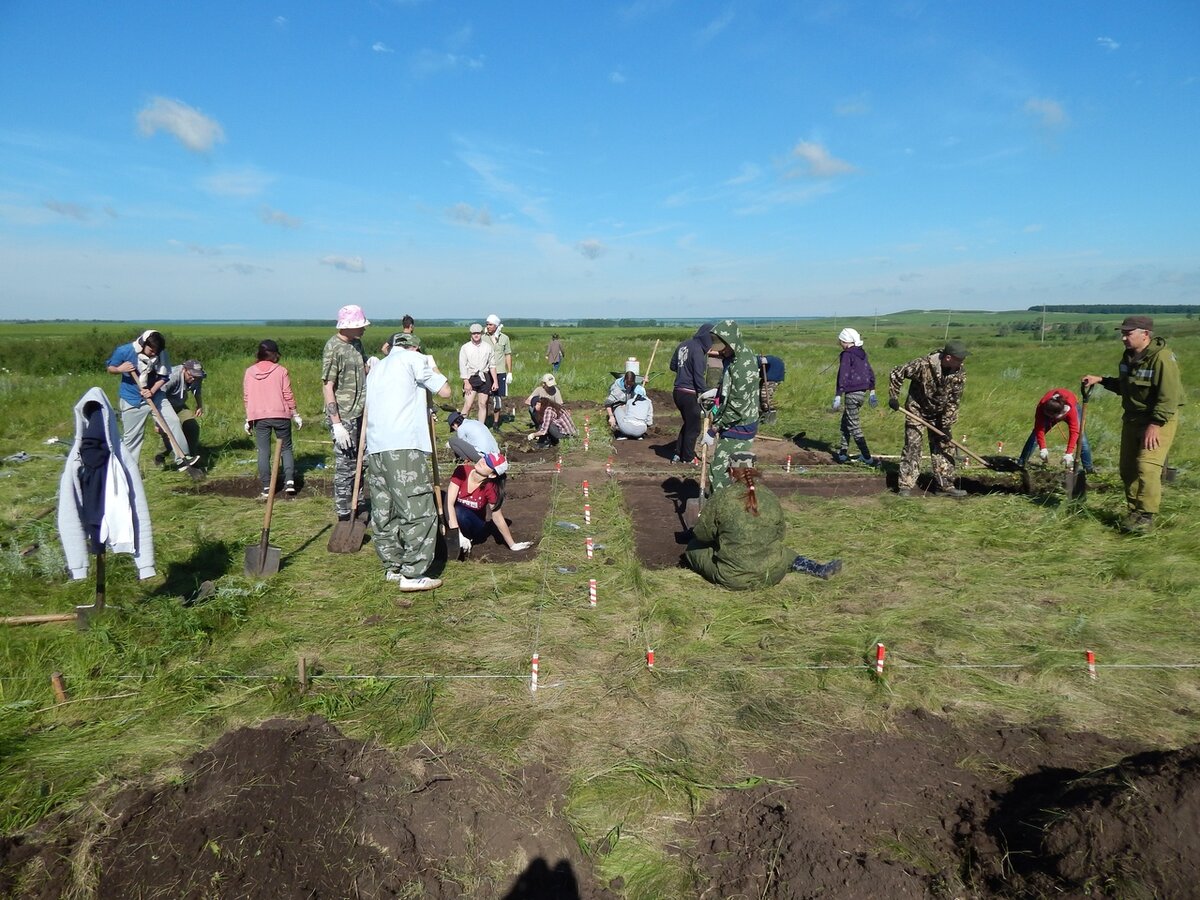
point(1054, 330)
point(1116, 309)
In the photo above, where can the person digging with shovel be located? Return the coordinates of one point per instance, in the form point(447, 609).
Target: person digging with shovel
point(144, 369)
point(738, 541)
point(934, 394)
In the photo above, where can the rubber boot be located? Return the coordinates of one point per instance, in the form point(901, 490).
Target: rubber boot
point(816, 569)
point(865, 451)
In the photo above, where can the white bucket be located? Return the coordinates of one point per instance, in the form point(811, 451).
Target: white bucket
point(632, 365)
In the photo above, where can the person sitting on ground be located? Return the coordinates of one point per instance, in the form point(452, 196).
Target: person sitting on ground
point(1056, 406)
point(738, 541)
point(270, 406)
point(556, 423)
point(630, 411)
point(473, 504)
point(854, 379)
point(548, 388)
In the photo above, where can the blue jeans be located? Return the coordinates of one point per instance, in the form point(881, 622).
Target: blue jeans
point(473, 526)
point(1084, 449)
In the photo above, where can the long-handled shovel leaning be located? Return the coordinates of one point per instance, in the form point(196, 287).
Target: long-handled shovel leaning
point(348, 536)
point(694, 505)
point(262, 559)
point(442, 530)
point(194, 472)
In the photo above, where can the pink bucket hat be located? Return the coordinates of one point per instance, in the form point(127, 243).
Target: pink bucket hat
point(351, 317)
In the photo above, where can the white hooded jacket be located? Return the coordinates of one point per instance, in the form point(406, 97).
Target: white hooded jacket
point(126, 525)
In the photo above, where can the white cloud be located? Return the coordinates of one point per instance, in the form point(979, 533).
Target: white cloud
point(1107, 43)
point(1033, 228)
point(192, 128)
point(748, 173)
point(466, 214)
point(1048, 113)
point(820, 163)
point(852, 106)
point(616, 76)
point(245, 268)
point(269, 216)
point(488, 171)
point(202, 250)
point(345, 263)
point(381, 47)
point(592, 248)
point(431, 62)
point(70, 210)
point(248, 182)
point(714, 28)
point(280, 21)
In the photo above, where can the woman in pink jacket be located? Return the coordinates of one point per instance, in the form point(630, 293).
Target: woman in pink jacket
point(270, 406)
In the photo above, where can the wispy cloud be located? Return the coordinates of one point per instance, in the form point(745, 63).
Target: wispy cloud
point(247, 182)
point(760, 202)
point(466, 214)
point(245, 268)
point(1033, 228)
point(592, 248)
point(280, 21)
point(750, 172)
point(1049, 114)
point(819, 163)
point(345, 263)
point(714, 28)
point(616, 76)
point(491, 176)
point(852, 106)
point(381, 47)
point(641, 9)
point(269, 216)
point(198, 249)
point(192, 128)
point(1107, 43)
point(70, 210)
point(426, 62)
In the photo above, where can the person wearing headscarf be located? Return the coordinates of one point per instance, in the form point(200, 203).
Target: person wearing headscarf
point(854, 379)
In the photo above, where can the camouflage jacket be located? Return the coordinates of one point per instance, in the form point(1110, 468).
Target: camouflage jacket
point(738, 409)
point(934, 395)
point(748, 550)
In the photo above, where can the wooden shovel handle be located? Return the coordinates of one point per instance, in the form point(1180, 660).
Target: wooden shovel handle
point(953, 443)
point(162, 423)
point(362, 443)
point(266, 532)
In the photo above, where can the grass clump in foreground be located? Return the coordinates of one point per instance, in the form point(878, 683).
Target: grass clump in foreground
point(998, 579)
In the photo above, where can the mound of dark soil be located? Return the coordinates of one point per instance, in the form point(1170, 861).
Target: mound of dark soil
point(294, 809)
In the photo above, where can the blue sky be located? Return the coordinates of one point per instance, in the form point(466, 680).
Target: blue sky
point(172, 159)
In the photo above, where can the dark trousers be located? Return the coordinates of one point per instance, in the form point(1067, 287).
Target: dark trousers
point(262, 439)
point(689, 407)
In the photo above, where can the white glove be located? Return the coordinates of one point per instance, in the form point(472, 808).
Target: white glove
point(521, 545)
point(710, 395)
point(298, 421)
point(249, 427)
point(837, 402)
point(708, 439)
point(464, 543)
point(371, 360)
point(341, 437)
point(531, 437)
point(1044, 454)
point(508, 381)
point(1068, 459)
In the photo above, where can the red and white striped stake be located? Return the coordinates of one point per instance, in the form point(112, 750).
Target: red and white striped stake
point(592, 592)
point(558, 465)
point(586, 443)
point(533, 672)
point(999, 446)
point(608, 467)
point(587, 514)
point(587, 420)
point(1091, 664)
point(880, 655)
point(649, 658)
point(787, 466)
point(585, 488)
point(591, 550)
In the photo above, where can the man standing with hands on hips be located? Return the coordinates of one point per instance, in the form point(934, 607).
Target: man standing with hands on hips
point(1151, 393)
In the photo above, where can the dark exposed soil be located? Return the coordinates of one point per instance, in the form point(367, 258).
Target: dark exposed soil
point(294, 809)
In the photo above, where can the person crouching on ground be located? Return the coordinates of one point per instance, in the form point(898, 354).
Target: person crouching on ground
point(270, 406)
point(635, 416)
point(473, 504)
point(738, 541)
point(854, 379)
point(548, 388)
point(1058, 405)
point(556, 423)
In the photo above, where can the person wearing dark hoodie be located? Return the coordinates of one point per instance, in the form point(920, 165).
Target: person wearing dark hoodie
point(855, 378)
point(270, 406)
point(689, 362)
point(734, 403)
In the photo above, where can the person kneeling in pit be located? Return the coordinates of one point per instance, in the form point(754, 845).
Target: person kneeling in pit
point(473, 505)
point(556, 423)
point(738, 540)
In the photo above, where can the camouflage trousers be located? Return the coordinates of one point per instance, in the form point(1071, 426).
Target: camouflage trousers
point(851, 425)
point(718, 463)
point(766, 395)
point(344, 462)
point(403, 517)
point(910, 458)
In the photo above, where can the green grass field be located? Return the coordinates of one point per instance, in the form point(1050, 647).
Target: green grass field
point(986, 606)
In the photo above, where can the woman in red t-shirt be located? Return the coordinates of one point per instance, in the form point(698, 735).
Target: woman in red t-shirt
point(471, 499)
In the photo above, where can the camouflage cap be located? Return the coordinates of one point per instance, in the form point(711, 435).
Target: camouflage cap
point(955, 348)
point(405, 339)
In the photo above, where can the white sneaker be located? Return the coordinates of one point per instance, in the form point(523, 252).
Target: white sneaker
point(424, 583)
point(290, 488)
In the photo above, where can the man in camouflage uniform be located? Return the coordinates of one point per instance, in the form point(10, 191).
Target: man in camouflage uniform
point(934, 394)
point(735, 406)
point(1151, 392)
point(403, 515)
point(343, 385)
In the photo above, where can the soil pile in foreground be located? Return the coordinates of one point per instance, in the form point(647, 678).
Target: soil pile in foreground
point(294, 809)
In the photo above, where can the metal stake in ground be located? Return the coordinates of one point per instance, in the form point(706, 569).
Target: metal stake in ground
point(262, 559)
point(348, 536)
point(194, 472)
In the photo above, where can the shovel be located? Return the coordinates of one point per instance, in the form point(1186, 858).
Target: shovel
point(693, 506)
point(1075, 481)
point(194, 472)
point(953, 443)
point(262, 559)
point(348, 536)
point(437, 481)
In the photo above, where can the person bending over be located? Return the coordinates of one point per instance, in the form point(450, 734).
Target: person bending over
point(473, 504)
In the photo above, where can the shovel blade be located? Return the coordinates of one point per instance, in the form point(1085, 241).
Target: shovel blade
point(1076, 485)
point(348, 536)
point(195, 473)
point(691, 512)
point(261, 563)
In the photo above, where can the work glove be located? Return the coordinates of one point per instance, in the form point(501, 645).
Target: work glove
point(508, 381)
point(1044, 454)
point(341, 437)
point(249, 427)
point(371, 360)
point(464, 543)
point(894, 404)
point(837, 402)
point(1068, 459)
point(710, 438)
point(531, 437)
point(521, 545)
point(299, 422)
point(874, 401)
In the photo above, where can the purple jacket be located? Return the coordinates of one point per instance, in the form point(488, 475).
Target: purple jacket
point(854, 372)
